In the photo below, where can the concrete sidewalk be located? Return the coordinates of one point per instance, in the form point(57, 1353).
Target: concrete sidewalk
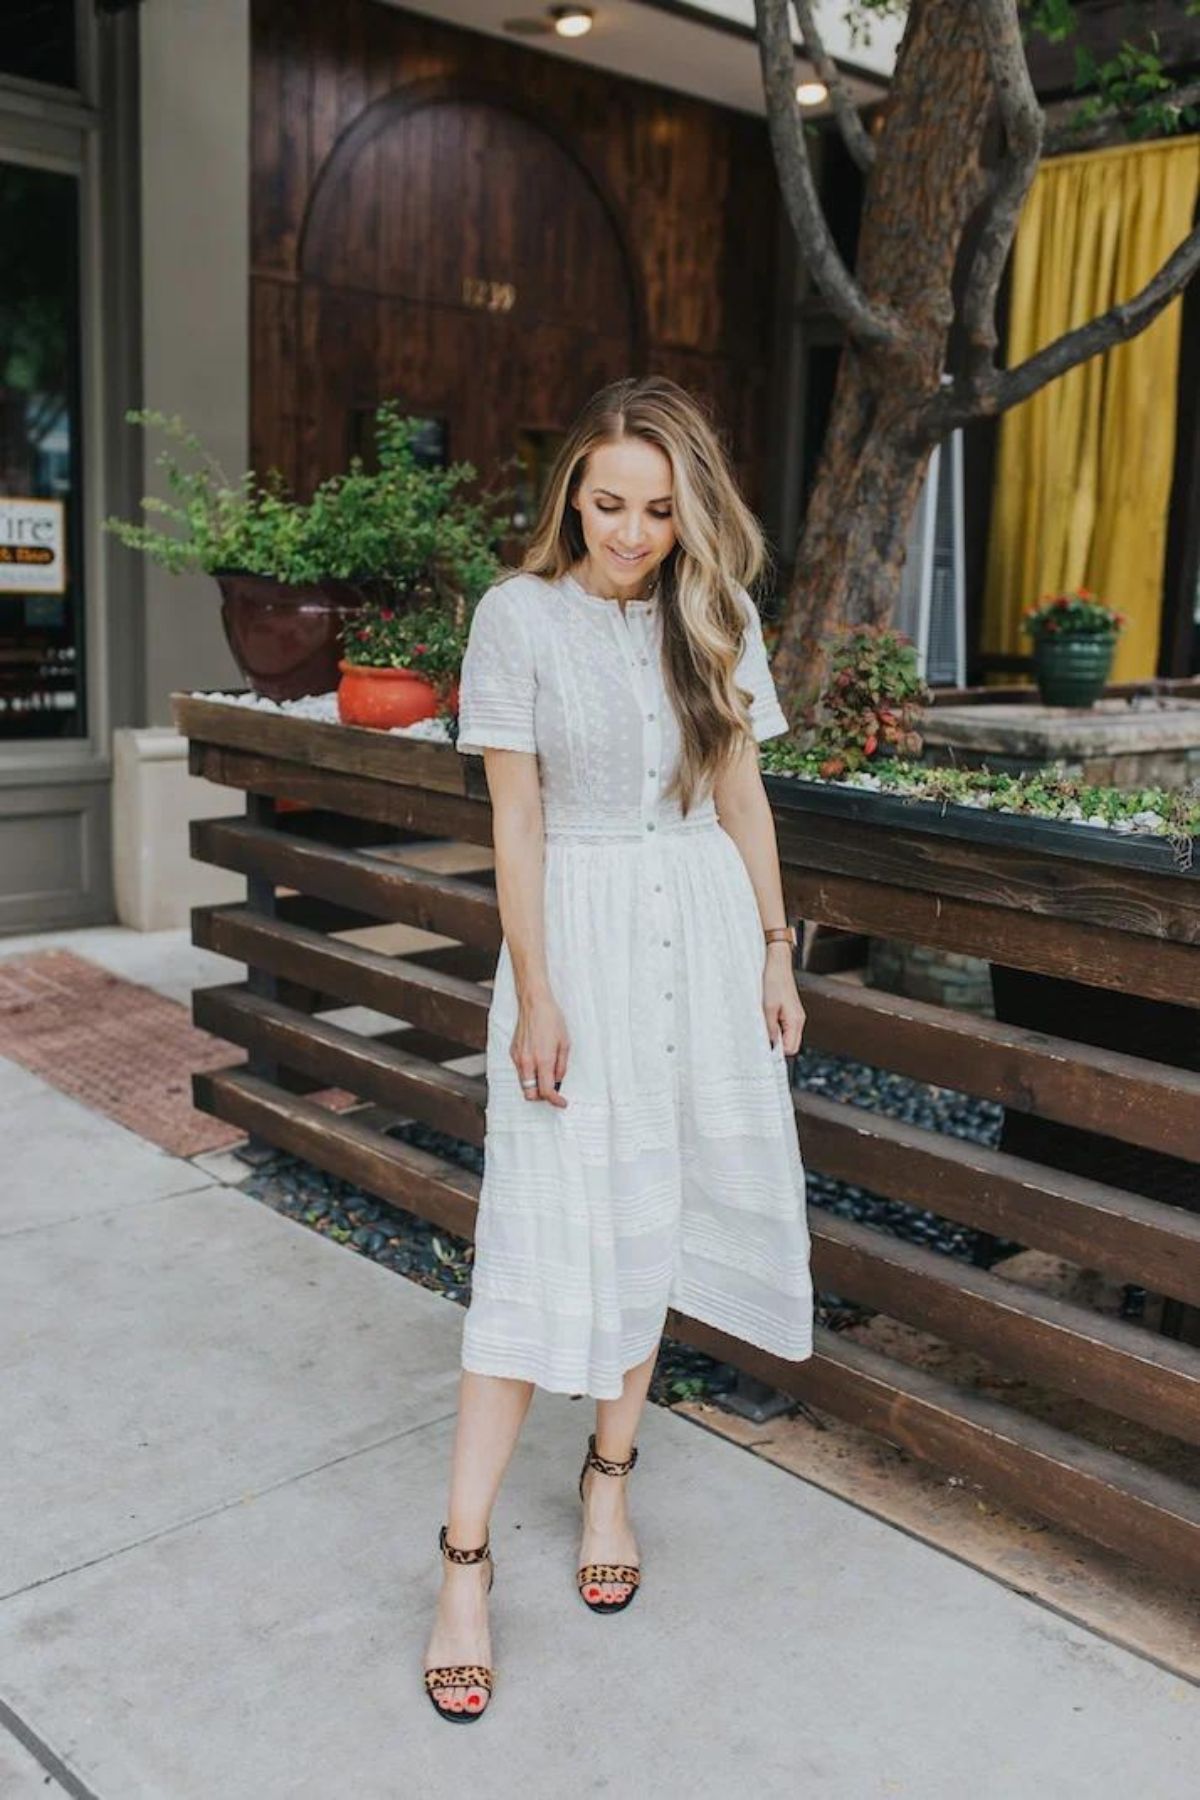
point(226, 1448)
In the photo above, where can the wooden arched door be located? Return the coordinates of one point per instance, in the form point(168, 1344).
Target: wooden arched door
point(457, 256)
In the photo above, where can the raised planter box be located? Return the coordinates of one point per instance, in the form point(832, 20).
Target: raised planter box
point(1065, 902)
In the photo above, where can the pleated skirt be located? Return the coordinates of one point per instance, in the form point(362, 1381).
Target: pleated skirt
point(673, 1177)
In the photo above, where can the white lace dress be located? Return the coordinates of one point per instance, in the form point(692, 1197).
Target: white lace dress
point(673, 1177)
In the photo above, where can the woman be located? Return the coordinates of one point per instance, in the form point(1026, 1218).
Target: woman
point(641, 1147)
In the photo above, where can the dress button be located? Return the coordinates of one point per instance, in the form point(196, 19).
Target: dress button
point(666, 943)
point(668, 996)
point(649, 715)
point(649, 824)
point(642, 659)
point(670, 1046)
point(658, 887)
point(652, 771)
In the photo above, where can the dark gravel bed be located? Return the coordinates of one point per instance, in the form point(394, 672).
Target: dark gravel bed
point(425, 1254)
point(916, 1103)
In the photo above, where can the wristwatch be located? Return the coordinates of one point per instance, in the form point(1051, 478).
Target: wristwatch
point(781, 934)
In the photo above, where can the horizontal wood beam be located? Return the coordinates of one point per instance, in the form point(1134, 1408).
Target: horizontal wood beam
point(1010, 878)
point(1126, 1235)
point(348, 749)
point(445, 1004)
point(326, 918)
point(1127, 1097)
point(400, 1173)
point(1023, 940)
point(446, 1099)
point(1121, 1367)
point(386, 889)
point(432, 812)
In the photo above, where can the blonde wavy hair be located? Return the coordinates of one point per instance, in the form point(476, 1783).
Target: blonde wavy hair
point(719, 546)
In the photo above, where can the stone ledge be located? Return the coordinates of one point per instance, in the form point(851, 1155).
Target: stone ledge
point(1045, 733)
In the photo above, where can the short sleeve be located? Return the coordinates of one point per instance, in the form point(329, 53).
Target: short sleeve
point(767, 717)
point(497, 681)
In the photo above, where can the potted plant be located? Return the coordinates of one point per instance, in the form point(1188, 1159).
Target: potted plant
point(292, 572)
point(401, 666)
point(1074, 637)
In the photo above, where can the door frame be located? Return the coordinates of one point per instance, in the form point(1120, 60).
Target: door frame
point(68, 779)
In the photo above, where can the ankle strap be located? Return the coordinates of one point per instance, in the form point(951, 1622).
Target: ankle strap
point(462, 1556)
point(605, 1464)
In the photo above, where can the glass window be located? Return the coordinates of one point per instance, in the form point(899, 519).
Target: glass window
point(41, 577)
point(38, 41)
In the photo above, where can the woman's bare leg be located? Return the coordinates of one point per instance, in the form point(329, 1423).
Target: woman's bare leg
point(491, 1411)
point(607, 1533)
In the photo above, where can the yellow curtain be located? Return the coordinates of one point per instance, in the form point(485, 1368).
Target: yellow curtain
point(1083, 474)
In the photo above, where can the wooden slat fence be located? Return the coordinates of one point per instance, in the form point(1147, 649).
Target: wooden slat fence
point(1112, 915)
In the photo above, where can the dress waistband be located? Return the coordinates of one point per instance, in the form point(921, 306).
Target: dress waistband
point(615, 831)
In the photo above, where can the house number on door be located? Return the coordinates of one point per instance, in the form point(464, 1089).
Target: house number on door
point(493, 296)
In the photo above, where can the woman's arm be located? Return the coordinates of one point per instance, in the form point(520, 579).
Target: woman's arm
point(540, 1044)
point(745, 813)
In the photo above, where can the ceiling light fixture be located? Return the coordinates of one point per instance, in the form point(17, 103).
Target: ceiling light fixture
point(571, 21)
point(812, 93)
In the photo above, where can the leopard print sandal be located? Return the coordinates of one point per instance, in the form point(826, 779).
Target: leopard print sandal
point(462, 1674)
point(591, 1574)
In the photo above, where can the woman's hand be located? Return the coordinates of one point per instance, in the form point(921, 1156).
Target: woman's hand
point(781, 1002)
point(540, 1047)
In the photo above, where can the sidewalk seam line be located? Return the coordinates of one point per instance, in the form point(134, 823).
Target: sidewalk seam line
point(109, 1212)
point(213, 1512)
point(45, 1757)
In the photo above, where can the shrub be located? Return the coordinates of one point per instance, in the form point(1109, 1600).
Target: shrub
point(402, 528)
point(872, 700)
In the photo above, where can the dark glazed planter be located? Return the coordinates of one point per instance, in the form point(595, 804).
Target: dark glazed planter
point(286, 640)
point(1072, 671)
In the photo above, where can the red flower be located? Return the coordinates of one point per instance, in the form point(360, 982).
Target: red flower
point(420, 649)
point(387, 613)
point(871, 745)
point(362, 636)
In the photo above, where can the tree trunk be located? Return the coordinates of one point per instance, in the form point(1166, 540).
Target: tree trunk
point(925, 184)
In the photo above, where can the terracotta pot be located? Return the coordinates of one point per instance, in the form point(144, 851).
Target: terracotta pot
point(386, 697)
point(286, 639)
point(1072, 671)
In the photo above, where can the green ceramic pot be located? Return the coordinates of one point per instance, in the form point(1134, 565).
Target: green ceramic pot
point(1072, 671)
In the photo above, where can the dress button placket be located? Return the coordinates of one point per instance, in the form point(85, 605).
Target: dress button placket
point(637, 659)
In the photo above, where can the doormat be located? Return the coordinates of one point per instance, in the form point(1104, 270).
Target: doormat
point(119, 1048)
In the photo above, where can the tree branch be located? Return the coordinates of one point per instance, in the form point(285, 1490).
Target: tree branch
point(1064, 136)
point(1116, 326)
point(1024, 124)
point(865, 322)
point(855, 136)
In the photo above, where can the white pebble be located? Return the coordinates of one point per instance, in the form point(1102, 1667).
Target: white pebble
point(323, 709)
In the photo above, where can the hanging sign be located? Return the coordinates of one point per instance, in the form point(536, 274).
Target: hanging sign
point(32, 547)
